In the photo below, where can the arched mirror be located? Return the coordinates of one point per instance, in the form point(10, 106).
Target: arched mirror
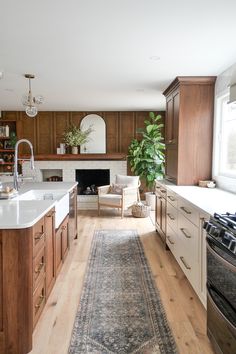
point(97, 141)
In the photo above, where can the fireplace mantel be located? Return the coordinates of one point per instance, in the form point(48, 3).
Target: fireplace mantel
point(79, 157)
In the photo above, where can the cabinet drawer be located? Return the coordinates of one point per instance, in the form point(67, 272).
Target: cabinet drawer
point(172, 198)
point(188, 211)
point(160, 189)
point(38, 267)
point(171, 239)
point(188, 234)
point(172, 216)
point(38, 236)
point(190, 269)
point(39, 300)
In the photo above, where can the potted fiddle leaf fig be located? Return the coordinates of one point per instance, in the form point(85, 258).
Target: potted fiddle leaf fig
point(76, 136)
point(146, 155)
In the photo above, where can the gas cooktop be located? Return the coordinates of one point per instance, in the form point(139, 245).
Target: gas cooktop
point(226, 219)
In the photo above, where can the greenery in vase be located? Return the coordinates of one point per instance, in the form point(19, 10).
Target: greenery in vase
point(146, 156)
point(75, 136)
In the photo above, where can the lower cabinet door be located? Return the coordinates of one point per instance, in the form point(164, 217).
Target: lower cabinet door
point(64, 239)
point(39, 300)
point(58, 250)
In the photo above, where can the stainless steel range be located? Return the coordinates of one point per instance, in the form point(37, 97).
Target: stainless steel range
point(221, 282)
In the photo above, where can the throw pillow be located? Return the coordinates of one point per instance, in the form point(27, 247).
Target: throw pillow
point(117, 188)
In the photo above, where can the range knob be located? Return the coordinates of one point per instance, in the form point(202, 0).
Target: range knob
point(207, 226)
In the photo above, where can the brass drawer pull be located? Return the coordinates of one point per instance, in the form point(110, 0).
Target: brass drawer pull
point(185, 234)
point(171, 198)
point(170, 140)
point(184, 263)
point(63, 227)
point(39, 236)
point(170, 216)
point(163, 191)
point(158, 187)
point(171, 242)
point(186, 210)
point(39, 268)
point(41, 298)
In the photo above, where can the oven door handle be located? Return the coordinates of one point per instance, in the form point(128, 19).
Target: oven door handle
point(211, 241)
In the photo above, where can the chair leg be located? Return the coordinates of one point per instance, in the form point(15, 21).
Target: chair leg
point(98, 209)
point(122, 213)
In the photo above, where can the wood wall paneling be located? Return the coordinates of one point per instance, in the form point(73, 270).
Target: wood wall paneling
point(112, 131)
point(44, 131)
point(26, 129)
point(127, 130)
point(60, 124)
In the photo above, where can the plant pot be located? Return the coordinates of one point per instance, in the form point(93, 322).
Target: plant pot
point(151, 200)
point(74, 150)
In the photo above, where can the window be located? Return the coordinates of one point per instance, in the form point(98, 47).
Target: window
point(224, 170)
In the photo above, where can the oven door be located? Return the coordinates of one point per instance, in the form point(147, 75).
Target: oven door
point(221, 322)
point(221, 297)
point(221, 270)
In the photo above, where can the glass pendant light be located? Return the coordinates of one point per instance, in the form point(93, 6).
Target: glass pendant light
point(29, 101)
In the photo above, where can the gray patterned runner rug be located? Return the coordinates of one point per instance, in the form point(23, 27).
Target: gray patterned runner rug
point(120, 309)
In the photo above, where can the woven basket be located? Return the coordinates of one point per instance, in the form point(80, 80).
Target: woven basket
point(141, 210)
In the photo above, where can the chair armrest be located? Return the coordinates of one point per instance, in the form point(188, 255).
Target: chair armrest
point(130, 190)
point(104, 189)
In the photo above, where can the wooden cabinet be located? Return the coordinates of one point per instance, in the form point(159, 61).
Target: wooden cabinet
point(49, 221)
point(39, 269)
point(160, 210)
point(189, 129)
point(72, 223)
point(8, 131)
point(61, 244)
point(27, 274)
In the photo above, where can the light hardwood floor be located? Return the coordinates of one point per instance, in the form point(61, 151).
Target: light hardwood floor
point(186, 315)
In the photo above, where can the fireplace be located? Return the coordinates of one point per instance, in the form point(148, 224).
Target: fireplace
point(89, 179)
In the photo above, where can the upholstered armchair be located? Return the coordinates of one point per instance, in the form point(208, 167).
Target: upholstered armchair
point(122, 194)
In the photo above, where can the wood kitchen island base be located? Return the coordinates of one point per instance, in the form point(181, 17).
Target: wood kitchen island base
point(28, 269)
point(16, 318)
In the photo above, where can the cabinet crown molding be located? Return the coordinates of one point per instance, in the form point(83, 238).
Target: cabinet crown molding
point(189, 80)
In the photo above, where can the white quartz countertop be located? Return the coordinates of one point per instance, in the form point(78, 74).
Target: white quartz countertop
point(209, 200)
point(19, 214)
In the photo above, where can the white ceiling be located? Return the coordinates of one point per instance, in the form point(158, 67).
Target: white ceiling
point(110, 54)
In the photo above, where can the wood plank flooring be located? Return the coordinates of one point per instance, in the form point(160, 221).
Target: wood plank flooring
point(185, 313)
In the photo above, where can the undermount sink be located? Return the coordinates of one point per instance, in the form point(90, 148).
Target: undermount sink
point(61, 197)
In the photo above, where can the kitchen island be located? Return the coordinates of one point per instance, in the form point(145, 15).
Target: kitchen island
point(36, 232)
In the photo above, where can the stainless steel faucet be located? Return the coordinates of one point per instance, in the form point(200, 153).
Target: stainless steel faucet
point(16, 175)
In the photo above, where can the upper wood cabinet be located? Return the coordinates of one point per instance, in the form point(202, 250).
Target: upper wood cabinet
point(189, 129)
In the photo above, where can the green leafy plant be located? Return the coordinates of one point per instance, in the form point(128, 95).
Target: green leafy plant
point(146, 156)
point(75, 136)
point(13, 139)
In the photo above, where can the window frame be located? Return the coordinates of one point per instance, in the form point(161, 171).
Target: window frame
point(226, 181)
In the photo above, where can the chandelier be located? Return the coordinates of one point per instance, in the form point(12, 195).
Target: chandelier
point(29, 101)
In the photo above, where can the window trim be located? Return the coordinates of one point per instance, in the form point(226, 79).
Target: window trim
point(223, 180)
